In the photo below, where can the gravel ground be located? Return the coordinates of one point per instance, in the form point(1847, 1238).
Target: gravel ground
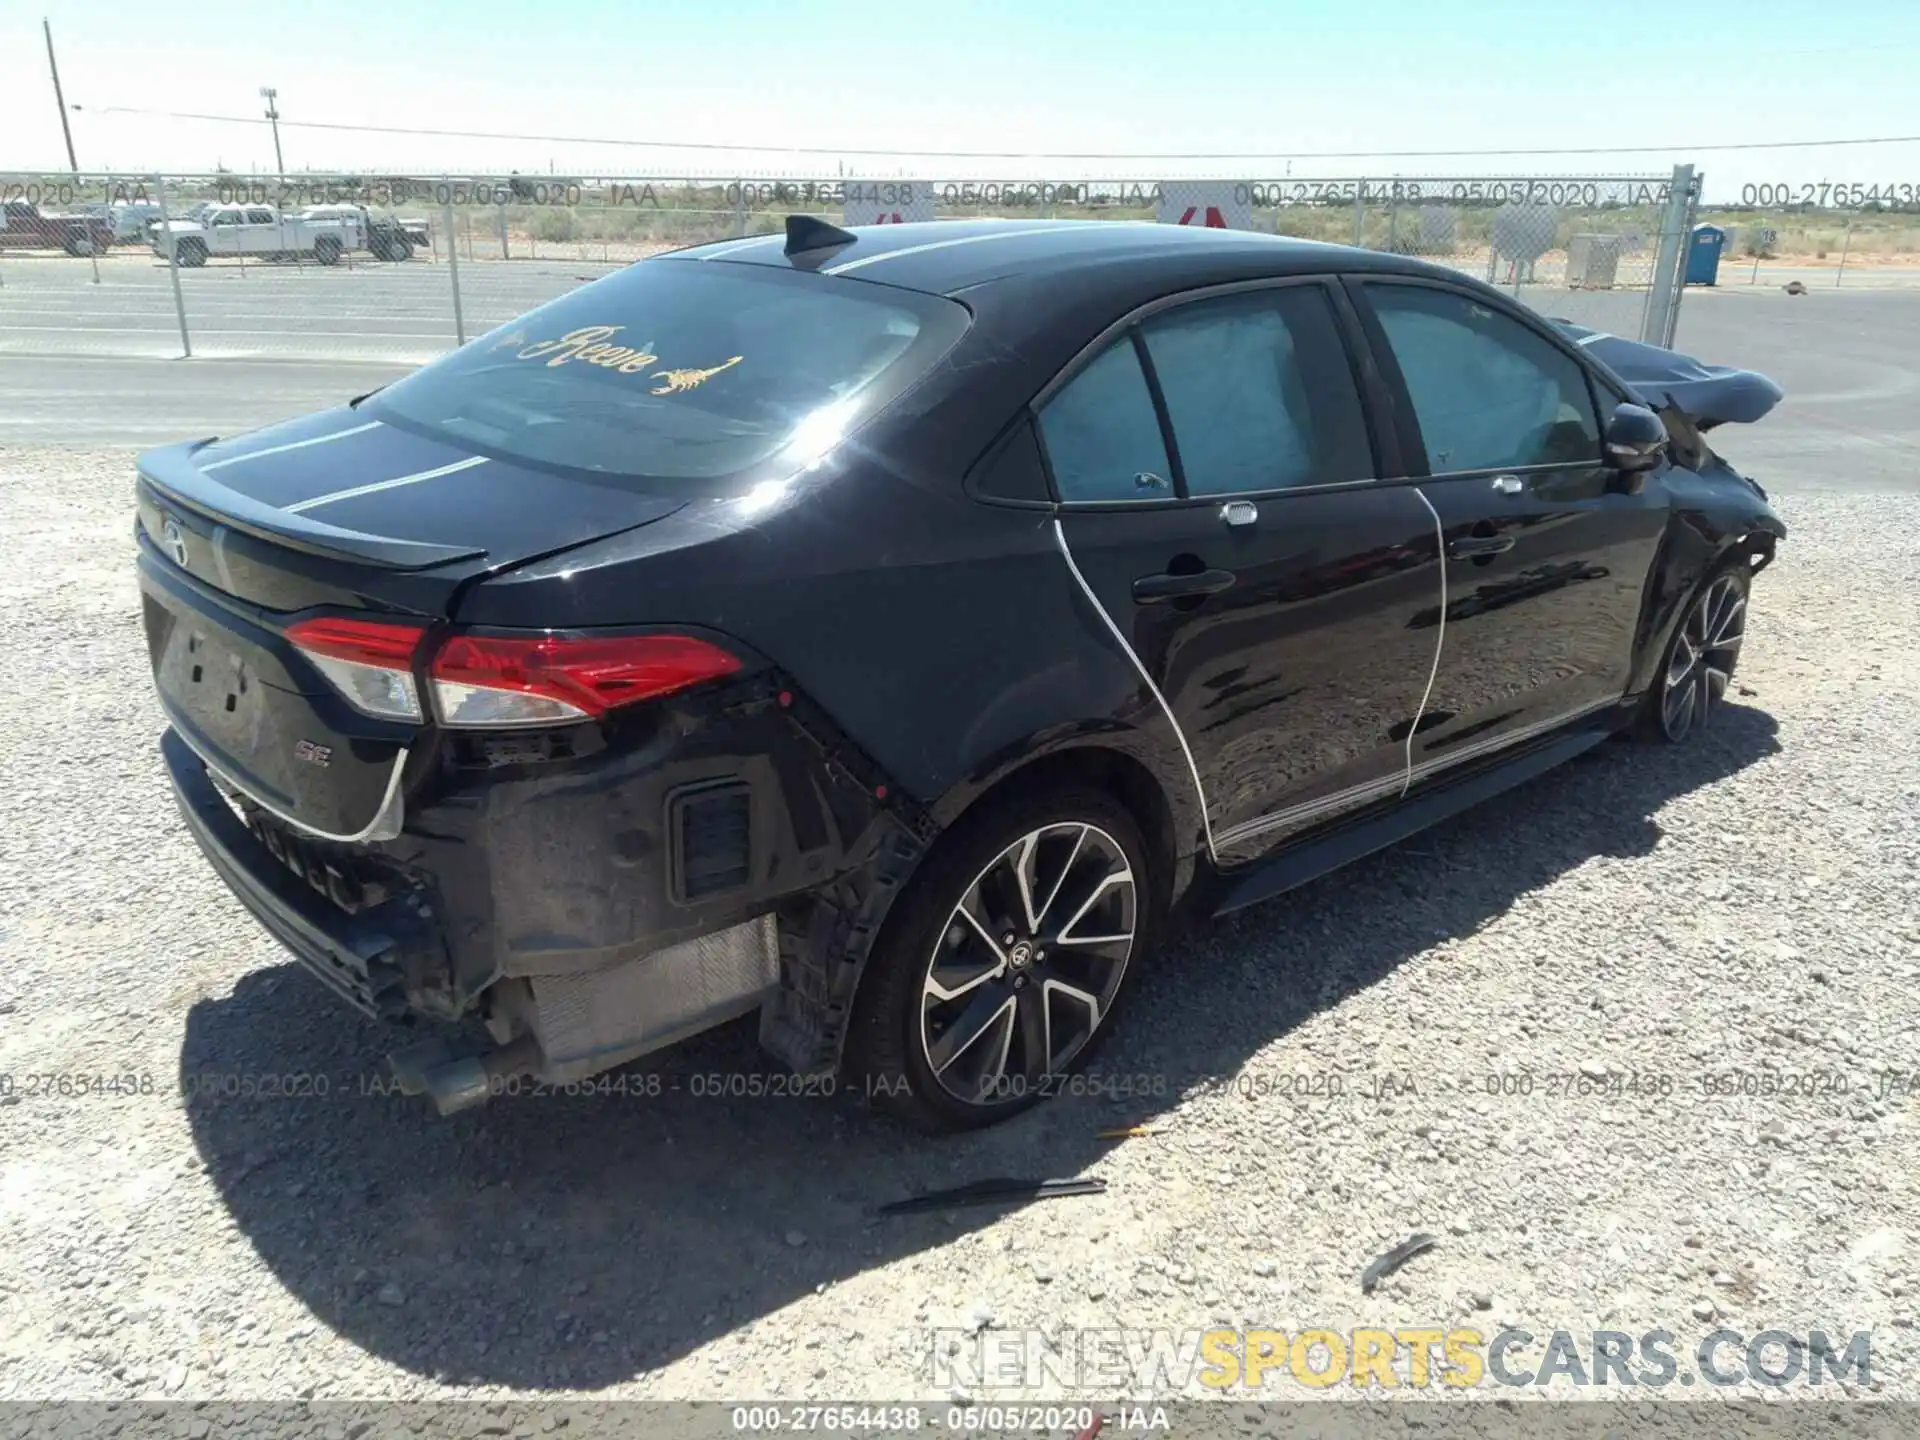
point(1746, 907)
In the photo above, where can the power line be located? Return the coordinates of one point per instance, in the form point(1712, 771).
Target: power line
point(1016, 154)
point(1873, 47)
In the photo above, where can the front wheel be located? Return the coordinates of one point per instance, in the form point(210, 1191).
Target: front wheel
point(1700, 658)
point(1000, 970)
point(326, 250)
point(191, 253)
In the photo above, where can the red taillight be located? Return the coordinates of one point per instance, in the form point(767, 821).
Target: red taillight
point(481, 681)
point(365, 642)
point(370, 662)
point(487, 680)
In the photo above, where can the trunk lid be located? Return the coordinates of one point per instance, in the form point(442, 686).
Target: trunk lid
point(261, 718)
point(333, 512)
point(340, 505)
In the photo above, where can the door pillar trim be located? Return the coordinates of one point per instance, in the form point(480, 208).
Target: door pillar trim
point(1439, 639)
point(1066, 553)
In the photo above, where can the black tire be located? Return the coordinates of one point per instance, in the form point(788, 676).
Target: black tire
point(399, 249)
point(899, 1023)
point(191, 252)
point(1696, 669)
point(326, 249)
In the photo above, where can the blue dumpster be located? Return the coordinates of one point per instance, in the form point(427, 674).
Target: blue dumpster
point(1703, 254)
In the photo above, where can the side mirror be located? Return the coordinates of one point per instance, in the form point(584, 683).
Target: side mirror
point(1636, 440)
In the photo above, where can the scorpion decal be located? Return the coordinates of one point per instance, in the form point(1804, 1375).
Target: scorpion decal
point(673, 382)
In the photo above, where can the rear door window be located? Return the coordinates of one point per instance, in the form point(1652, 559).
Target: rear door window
point(1259, 392)
point(1102, 436)
point(1487, 391)
point(679, 369)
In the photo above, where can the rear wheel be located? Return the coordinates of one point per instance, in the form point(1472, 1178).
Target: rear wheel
point(1700, 658)
point(191, 252)
point(326, 249)
point(1001, 968)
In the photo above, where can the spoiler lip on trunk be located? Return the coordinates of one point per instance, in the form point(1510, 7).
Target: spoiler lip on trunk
point(171, 474)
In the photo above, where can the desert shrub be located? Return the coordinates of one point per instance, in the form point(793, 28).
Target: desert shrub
point(555, 225)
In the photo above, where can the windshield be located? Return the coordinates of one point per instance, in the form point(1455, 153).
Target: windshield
point(680, 370)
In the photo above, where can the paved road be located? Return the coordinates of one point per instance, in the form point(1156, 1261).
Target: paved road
point(1739, 274)
point(1850, 364)
point(1849, 359)
point(363, 311)
point(112, 401)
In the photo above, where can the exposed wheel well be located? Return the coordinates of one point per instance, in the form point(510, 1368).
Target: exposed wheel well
point(1119, 775)
point(1757, 547)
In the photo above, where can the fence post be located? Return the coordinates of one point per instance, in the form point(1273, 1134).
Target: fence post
point(1846, 244)
point(1359, 214)
point(1663, 299)
point(173, 267)
point(93, 247)
point(1696, 184)
point(453, 269)
point(739, 209)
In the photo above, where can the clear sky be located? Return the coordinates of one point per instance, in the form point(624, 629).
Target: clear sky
point(1283, 78)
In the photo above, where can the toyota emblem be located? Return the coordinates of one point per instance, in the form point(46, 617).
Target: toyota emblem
point(176, 542)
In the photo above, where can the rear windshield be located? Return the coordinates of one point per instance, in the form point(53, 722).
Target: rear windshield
point(679, 369)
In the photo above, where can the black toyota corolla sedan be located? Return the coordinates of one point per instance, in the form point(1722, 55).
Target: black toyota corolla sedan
point(881, 630)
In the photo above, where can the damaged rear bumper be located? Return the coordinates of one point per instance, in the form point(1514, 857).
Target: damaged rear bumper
point(591, 905)
point(361, 956)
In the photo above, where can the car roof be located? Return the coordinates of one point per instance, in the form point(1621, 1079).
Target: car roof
point(943, 257)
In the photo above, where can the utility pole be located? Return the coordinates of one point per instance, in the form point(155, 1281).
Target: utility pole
point(58, 98)
point(269, 94)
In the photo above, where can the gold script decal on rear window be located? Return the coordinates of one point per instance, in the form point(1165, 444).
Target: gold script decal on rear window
point(589, 344)
point(592, 345)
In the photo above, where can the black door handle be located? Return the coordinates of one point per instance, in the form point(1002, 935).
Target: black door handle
point(1475, 547)
point(1150, 589)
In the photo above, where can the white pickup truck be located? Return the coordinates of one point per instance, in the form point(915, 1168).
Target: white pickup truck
point(259, 231)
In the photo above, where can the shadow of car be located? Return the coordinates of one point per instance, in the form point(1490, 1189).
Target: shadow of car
point(578, 1241)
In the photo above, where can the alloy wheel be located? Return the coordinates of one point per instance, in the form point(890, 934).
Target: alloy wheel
point(1704, 654)
point(1028, 964)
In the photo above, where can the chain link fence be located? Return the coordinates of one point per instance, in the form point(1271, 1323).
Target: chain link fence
point(1823, 235)
point(401, 268)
